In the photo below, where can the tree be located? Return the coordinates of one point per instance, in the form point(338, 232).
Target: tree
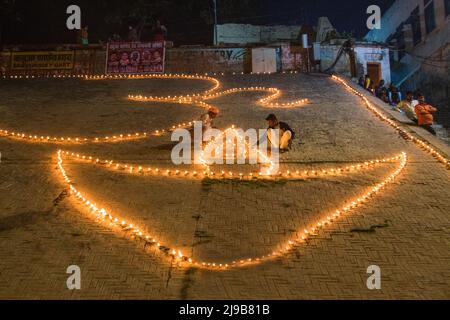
point(188, 21)
point(138, 13)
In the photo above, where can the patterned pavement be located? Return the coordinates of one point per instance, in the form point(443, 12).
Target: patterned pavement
point(405, 230)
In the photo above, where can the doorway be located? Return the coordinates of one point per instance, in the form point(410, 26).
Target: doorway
point(374, 72)
point(264, 60)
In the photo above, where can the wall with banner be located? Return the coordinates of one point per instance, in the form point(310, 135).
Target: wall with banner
point(71, 59)
point(135, 57)
point(42, 60)
point(201, 60)
point(124, 58)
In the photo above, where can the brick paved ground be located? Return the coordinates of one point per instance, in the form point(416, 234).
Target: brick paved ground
point(405, 230)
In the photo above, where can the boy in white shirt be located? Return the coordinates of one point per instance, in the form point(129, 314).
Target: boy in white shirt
point(408, 105)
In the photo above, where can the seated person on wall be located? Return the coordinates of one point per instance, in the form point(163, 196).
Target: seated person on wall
point(408, 105)
point(372, 88)
point(367, 82)
point(286, 134)
point(85, 36)
point(424, 113)
point(381, 91)
point(361, 81)
point(394, 95)
point(384, 97)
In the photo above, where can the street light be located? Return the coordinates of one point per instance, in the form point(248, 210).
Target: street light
point(215, 22)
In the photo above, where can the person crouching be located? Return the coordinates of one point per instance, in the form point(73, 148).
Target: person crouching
point(286, 134)
point(208, 117)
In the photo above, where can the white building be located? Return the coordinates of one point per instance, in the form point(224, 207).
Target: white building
point(245, 34)
point(418, 34)
point(371, 59)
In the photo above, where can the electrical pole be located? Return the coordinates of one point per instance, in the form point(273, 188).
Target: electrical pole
point(215, 22)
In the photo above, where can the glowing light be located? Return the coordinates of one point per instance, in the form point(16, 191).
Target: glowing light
point(406, 135)
point(193, 99)
point(326, 220)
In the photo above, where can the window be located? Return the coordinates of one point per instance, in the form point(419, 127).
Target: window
point(416, 26)
point(430, 21)
point(447, 7)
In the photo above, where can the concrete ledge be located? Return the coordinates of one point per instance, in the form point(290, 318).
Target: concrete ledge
point(403, 121)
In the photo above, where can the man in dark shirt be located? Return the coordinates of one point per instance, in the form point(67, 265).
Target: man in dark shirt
point(286, 134)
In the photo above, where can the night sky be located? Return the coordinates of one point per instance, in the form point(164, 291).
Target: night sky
point(345, 15)
point(43, 21)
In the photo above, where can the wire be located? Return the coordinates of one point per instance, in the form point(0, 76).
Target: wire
point(434, 65)
point(419, 57)
point(341, 51)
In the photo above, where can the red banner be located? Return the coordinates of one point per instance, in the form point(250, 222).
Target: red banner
point(135, 57)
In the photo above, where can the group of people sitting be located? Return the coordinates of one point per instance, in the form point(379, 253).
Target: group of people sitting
point(413, 106)
point(286, 134)
point(389, 94)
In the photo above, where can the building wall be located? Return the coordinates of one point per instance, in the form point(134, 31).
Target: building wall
point(292, 57)
point(364, 54)
point(177, 60)
point(5, 62)
point(400, 11)
point(243, 34)
point(394, 16)
point(328, 54)
point(374, 54)
point(201, 60)
point(425, 65)
point(86, 61)
point(264, 60)
point(413, 55)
